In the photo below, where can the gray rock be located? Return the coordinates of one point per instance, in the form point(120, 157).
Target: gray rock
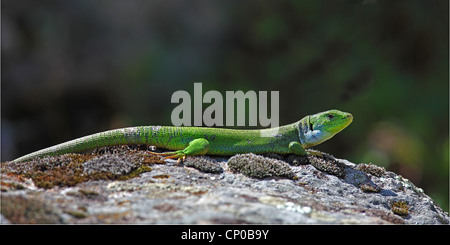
point(231, 191)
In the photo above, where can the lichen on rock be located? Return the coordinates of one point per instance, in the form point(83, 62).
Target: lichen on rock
point(257, 166)
point(204, 164)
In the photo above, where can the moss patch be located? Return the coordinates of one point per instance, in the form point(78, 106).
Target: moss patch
point(260, 167)
point(371, 169)
point(328, 165)
point(117, 163)
point(320, 160)
point(400, 208)
point(204, 164)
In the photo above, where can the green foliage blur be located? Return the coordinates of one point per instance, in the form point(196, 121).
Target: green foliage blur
point(72, 68)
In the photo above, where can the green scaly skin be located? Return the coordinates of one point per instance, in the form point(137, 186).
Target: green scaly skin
point(190, 141)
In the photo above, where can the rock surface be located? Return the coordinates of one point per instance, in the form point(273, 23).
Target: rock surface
point(122, 185)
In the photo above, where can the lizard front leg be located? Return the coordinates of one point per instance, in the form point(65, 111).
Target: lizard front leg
point(297, 149)
point(196, 147)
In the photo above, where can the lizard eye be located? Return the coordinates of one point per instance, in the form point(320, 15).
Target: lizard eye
point(330, 116)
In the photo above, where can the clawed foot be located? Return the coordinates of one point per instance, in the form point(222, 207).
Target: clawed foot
point(172, 155)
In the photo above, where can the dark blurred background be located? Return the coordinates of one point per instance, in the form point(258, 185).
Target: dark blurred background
point(72, 68)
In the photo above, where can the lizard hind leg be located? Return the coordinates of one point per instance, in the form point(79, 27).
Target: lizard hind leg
point(172, 155)
point(195, 148)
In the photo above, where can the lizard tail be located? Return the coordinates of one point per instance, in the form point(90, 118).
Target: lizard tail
point(124, 136)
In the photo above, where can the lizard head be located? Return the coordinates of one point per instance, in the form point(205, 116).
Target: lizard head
point(317, 128)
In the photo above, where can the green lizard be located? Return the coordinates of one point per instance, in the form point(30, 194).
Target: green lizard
point(190, 141)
